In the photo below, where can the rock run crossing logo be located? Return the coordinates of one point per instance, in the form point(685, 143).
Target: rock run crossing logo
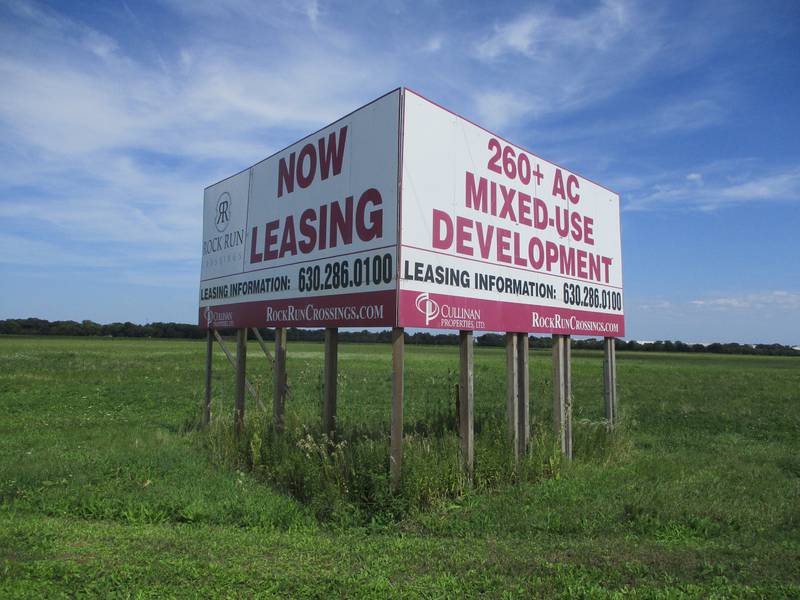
point(222, 218)
point(427, 306)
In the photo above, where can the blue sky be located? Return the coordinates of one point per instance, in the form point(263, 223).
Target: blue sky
point(115, 115)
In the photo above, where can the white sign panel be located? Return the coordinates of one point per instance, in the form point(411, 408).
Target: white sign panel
point(496, 238)
point(309, 235)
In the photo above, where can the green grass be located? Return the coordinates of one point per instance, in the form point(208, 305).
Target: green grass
point(106, 488)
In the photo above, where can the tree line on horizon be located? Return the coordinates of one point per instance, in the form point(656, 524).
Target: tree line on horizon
point(161, 330)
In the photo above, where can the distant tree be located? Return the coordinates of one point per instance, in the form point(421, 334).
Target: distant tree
point(33, 326)
point(491, 339)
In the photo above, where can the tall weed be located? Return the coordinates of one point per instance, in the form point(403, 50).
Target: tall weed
point(346, 480)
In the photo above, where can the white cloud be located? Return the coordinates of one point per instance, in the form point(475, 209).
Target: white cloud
point(312, 12)
point(726, 183)
point(433, 44)
point(567, 61)
point(783, 185)
point(540, 33)
point(569, 57)
point(655, 305)
point(687, 115)
point(19, 250)
point(776, 299)
point(499, 109)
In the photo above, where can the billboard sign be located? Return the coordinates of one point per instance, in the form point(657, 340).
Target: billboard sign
point(405, 214)
point(308, 236)
point(496, 238)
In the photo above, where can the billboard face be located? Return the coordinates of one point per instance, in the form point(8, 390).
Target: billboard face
point(308, 237)
point(411, 218)
point(496, 238)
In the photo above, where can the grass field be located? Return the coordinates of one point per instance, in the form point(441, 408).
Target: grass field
point(106, 489)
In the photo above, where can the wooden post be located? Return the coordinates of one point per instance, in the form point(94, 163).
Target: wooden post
point(396, 446)
point(568, 395)
point(512, 392)
point(562, 392)
point(613, 372)
point(232, 359)
point(517, 384)
point(610, 380)
point(466, 402)
point(280, 379)
point(241, 368)
point(209, 362)
point(329, 391)
point(523, 418)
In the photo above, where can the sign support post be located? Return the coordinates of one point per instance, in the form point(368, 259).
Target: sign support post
point(209, 362)
point(280, 379)
point(241, 368)
point(610, 381)
point(466, 403)
point(512, 392)
point(329, 393)
point(396, 446)
point(523, 404)
point(562, 393)
point(517, 400)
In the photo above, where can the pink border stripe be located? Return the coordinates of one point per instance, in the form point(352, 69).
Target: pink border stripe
point(365, 309)
point(441, 311)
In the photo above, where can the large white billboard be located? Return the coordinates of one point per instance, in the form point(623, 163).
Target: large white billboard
point(308, 236)
point(496, 238)
point(405, 214)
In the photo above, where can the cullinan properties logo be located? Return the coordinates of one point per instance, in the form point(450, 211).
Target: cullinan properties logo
point(453, 317)
point(218, 319)
point(427, 306)
point(222, 217)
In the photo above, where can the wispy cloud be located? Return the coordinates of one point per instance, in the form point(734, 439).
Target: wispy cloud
point(716, 186)
point(433, 44)
point(541, 34)
point(776, 299)
point(569, 60)
point(500, 108)
point(20, 250)
point(687, 114)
